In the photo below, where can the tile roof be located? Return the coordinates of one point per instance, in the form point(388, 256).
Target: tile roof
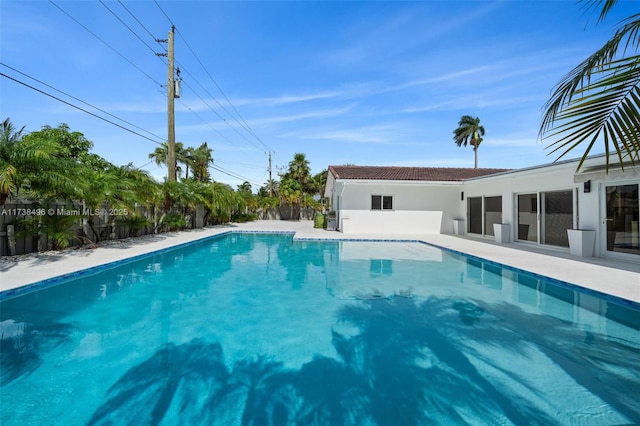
point(410, 173)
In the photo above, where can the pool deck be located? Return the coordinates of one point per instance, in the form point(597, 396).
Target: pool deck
point(613, 277)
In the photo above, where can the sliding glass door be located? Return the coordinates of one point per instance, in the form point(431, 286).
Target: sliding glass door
point(527, 217)
point(483, 212)
point(474, 219)
point(492, 213)
point(556, 217)
point(545, 217)
point(622, 211)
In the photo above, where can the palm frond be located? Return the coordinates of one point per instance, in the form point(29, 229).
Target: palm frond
point(608, 107)
point(606, 6)
point(579, 79)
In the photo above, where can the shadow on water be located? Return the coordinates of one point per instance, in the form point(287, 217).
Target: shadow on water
point(31, 325)
point(409, 364)
point(21, 346)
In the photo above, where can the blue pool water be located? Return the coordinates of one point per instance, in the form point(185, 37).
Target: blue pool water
point(256, 329)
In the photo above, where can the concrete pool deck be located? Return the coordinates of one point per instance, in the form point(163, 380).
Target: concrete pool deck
point(613, 277)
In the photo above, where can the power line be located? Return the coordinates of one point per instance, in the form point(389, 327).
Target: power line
point(218, 114)
point(127, 27)
point(105, 43)
point(137, 20)
point(79, 108)
point(79, 100)
point(232, 174)
point(248, 166)
point(245, 125)
point(164, 13)
point(221, 106)
point(208, 124)
point(153, 51)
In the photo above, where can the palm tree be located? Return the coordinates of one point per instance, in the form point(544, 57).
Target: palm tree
point(9, 138)
point(201, 159)
point(223, 202)
point(599, 99)
point(161, 155)
point(469, 131)
point(290, 192)
point(34, 163)
point(299, 169)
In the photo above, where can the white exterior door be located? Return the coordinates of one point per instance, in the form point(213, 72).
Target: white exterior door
point(620, 217)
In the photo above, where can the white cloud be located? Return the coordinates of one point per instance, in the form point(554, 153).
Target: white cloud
point(288, 99)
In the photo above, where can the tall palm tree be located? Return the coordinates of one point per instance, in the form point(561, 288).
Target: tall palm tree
point(299, 169)
point(469, 131)
point(599, 99)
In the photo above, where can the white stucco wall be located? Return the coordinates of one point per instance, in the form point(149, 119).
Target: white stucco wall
point(431, 207)
point(509, 185)
point(589, 211)
point(418, 208)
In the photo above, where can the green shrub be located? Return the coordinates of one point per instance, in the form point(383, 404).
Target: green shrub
point(320, 221)
point(134, 223)
point(174, 221)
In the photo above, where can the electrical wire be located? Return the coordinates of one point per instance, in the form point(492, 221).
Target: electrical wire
point(127, 27)
point(233, 175)
point(218, 114)
point(79, 108)
point(105, 43)
point(208, 124)
point(248, 166)
point(183, 69)
point(79, 100)
point(245, 125)
point(137, 20)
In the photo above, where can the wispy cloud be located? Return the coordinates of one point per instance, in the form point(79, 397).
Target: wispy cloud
point(288, 99)
point(318, 113)
point(382, 134)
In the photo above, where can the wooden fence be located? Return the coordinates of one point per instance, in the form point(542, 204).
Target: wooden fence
point(88, 226)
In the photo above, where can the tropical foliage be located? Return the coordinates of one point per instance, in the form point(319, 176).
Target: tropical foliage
point(597, 101)
point(55, 167)
point(469, 131)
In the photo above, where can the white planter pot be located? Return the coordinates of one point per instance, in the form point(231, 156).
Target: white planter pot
point(502, 232)
point(458, 226)
point(581, 242)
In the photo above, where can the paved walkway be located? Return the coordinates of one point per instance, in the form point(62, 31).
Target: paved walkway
point(618, 278)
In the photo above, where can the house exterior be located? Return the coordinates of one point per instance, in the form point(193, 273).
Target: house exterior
point(535, 205)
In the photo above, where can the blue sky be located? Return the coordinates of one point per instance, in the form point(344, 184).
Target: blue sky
point(366, 83)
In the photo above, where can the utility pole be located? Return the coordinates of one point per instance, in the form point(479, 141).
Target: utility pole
point(171, 120)
point(171, 95)
point(270, 180)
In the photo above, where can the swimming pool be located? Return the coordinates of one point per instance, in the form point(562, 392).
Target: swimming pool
point(260, 329)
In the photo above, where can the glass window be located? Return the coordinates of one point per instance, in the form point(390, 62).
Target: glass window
point(474, 209)
point(623, 215)
point(528, 217)
point(381, 202)
point(376, 202)
point(557, 217)
point(492, 213)
point(387, 202)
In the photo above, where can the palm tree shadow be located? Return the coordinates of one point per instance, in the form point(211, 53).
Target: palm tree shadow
point(410, 363)
point(22, 348)
point(606, 367)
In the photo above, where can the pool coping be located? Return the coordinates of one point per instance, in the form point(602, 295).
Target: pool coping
point(59, 279)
